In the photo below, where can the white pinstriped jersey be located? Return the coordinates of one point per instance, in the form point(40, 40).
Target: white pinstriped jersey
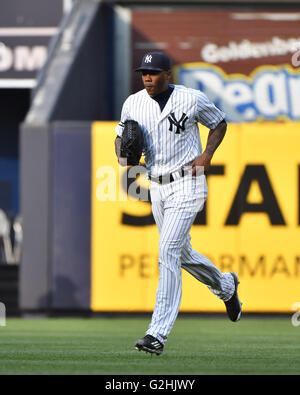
point(171, 137)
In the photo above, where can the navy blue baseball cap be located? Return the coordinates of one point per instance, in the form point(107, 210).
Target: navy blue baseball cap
point(155, 61)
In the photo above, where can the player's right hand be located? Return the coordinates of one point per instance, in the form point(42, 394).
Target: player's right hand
point(201, 164)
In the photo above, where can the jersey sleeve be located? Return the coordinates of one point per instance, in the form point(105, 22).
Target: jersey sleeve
point(124, 117)
point(207, 113)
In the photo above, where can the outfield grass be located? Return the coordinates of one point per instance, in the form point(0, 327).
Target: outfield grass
point(105, 346)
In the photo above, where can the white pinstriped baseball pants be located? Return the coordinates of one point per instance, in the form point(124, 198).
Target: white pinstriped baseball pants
point(175, 206)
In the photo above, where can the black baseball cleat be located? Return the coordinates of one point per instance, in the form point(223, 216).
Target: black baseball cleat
point(149, 344)
point(233, 305)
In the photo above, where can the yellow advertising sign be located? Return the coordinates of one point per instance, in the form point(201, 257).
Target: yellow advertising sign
point(250, 224)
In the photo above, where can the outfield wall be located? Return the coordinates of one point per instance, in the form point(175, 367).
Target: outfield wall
point(92, 246)
point(250, 224)
point(55, 190)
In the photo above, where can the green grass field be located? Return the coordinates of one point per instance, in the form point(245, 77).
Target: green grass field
point(196, 346)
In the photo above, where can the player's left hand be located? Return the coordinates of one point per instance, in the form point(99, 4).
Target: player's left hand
point(201, 164)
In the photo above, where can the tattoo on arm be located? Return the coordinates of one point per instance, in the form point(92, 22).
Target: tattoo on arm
point(118, 141)
point(215, 137)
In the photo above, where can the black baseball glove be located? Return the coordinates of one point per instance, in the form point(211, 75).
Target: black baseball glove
point(132, 143)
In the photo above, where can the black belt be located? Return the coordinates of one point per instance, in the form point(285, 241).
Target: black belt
point(167, 178)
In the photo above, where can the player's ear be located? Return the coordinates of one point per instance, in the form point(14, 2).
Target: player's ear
point(168, 74)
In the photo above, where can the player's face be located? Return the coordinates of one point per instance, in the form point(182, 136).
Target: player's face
point(155, 82)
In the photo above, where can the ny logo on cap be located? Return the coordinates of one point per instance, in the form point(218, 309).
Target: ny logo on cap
point(148, 59)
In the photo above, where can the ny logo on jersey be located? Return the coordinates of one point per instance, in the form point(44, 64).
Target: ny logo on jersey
point(148, 59)
point(179, 124)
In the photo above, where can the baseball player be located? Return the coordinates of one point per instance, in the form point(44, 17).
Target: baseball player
point(168, 116)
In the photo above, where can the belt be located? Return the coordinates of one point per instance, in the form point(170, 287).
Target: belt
point(167, 178)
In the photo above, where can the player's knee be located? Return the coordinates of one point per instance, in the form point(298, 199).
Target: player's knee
point(169, 249)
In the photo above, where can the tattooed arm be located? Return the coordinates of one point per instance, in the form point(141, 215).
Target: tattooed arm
point(122, 161)
point(215, 137)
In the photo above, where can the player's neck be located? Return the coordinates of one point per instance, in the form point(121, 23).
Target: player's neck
point(163, 97)
point(162, 93)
